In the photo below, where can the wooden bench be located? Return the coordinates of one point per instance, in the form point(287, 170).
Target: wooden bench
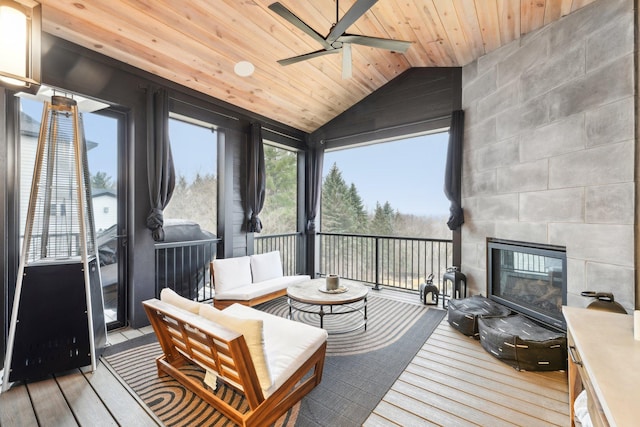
point(187, 338)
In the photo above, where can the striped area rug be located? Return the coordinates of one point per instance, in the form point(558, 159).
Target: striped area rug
point(387, 322)
point(361, 366)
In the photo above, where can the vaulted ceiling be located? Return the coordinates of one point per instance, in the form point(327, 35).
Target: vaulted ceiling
point(197, 43)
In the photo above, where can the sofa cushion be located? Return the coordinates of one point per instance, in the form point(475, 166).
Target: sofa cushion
point(288, 344)
point(266, 266)
point(248, 292)
point(171, 297)
point(252, 329)
point(230, 273)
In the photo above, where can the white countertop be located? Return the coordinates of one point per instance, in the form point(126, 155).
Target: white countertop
point(611, 357)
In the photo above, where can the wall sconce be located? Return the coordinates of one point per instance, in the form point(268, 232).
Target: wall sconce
point(20, 29)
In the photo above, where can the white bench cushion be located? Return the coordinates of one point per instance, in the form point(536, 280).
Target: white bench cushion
point(252, 328)
point(231, 273)
point(171, 297)
point(247, 292)
point(288, 344)
point(266, 266)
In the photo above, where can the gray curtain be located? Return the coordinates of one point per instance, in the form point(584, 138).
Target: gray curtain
point(257, 178)
point(453, 171)
point(314, 185)
point(160, 170)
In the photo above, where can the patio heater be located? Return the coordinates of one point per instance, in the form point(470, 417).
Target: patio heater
point(57, 320)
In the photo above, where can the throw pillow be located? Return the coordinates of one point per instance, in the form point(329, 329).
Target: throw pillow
point(231, 273)
point(266, 266)
point(171, 297)
point(252, 329)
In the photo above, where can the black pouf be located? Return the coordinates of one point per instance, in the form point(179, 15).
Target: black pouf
point(463, 313)
point(523, 344)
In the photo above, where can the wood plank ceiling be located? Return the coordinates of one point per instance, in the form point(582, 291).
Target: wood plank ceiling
point(197, 43)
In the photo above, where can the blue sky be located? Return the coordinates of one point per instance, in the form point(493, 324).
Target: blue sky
point(197, 153)
point(409, 173)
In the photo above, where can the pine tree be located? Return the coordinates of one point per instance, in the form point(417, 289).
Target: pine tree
point(280, 207)
point(101, 180)
point(360, 214)
point(383, 220)
point(337, 214)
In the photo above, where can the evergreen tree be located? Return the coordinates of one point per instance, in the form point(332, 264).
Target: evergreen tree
point(337, 215)
point(101, 180)
point(383, 220)
point(280, 207)
point(361, 217)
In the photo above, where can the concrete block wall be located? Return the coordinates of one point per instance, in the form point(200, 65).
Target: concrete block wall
point(549, 149)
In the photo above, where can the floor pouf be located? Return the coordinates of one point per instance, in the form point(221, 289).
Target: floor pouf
point(463, 313)
point(523, 344)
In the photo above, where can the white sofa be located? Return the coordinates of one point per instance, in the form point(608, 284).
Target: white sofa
point(250, 280)
point(271, 360)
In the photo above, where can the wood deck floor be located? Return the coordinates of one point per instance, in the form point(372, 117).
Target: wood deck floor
point(452, 381)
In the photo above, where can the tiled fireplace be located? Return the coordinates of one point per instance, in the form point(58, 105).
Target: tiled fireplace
point(529, 278)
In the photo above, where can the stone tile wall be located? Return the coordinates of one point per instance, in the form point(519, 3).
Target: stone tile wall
point(549, 149)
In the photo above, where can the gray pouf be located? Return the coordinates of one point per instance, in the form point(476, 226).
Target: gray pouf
point(523, 344)
point(463, 314)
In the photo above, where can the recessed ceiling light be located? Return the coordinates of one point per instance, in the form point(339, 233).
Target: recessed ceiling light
point(244, 68)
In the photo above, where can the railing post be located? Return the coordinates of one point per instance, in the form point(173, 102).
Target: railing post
point(376, 287)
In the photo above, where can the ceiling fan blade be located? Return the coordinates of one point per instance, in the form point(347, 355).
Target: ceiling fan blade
point(389, 44)
point(352, 15)
point(306, 56)
point(293, 19)
point(346, 61)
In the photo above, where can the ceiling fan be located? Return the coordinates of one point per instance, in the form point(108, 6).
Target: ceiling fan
point(338, 40)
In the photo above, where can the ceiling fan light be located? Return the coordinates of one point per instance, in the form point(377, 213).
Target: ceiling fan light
point(244, 68)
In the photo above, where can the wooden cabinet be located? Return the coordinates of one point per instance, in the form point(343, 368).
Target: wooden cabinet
point(604, 359)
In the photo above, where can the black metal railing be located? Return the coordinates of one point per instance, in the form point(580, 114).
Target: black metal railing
point(286, 243)
point(396, 262)
point(184, 267)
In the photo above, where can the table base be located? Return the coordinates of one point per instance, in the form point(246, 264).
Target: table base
point(323, 310)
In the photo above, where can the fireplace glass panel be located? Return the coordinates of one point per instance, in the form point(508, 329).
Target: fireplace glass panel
point(529, 279)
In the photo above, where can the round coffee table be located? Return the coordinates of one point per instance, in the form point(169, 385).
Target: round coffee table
point(311, 297)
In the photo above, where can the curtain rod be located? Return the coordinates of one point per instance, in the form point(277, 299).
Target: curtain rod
point(277, 132)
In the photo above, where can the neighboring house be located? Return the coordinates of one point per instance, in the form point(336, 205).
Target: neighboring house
point(105, 206)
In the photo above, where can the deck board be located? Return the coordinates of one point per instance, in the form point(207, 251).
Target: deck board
point(119, 398)
point(16, 408)
point(453, 381)
point(74, 398)
point(85, 404)
point(49, 404)
point(510, 387)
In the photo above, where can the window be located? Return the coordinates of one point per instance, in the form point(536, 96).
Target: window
point(279, 214)
point(391, 188)
point(194, 151)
